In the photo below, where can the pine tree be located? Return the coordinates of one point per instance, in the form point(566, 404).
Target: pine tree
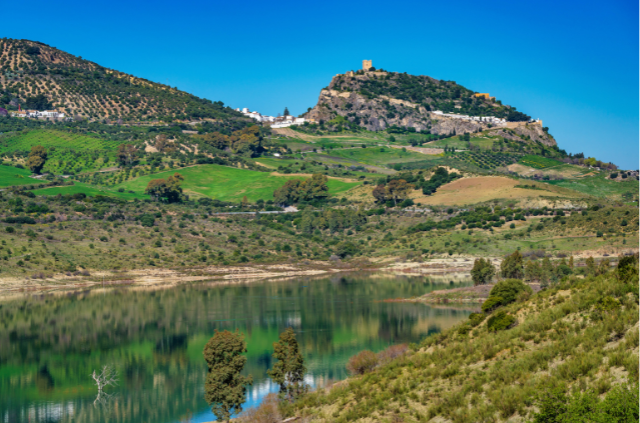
point(225, 387)
point(512, 266)
point(286, 112)
point(289, 370)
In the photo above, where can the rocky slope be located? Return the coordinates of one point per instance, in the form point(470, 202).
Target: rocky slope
point(379, 100)
point(38, 76)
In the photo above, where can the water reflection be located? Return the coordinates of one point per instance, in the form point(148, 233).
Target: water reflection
point(49, 346)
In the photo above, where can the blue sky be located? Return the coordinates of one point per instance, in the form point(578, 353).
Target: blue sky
point(572, 64)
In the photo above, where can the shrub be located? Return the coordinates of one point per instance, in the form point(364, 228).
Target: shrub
point(492, 303)
point(147, 220)
point(363, 362)
point(10, 229)
point(476, 318)
point(391, 353)
point(500, 321)
point(509, 289)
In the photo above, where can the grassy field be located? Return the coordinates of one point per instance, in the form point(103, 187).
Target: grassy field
point(600, 186)
point(228, 184)
point(538, 162)
point(10, 175)
point(89, 190)
point(377, 155)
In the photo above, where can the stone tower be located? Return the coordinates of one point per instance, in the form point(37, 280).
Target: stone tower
point(366, 64)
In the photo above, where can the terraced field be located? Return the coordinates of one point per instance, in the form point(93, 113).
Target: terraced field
point(68, 153)
point(538, 162)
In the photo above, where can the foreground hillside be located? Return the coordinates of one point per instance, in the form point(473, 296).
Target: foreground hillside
point(570, 353)
point(38, 76)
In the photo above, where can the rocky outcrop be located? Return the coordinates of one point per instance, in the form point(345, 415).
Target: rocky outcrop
point(370, 100)
point(531, 132)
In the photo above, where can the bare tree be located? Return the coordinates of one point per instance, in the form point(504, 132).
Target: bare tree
point(108, 377)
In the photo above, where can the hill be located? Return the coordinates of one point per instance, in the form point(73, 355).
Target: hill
point(570, 353)
point(380, 100)
point(37, 76)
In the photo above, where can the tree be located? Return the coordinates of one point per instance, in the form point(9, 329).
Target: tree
point(107, 377)
point(482, 272)
point(225, 387)
point(37, 158)
point(39, 102)
point(126, 154)
point(398, 189)
point(166, 190)
point(512, 266)
point(380, 193)
point(295, 190)
point(286, 112)
point(288, 371)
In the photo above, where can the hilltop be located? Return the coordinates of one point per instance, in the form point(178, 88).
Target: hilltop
point(37, 76)
point(378, 100)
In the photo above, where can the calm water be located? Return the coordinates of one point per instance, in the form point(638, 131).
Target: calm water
point(49, 346)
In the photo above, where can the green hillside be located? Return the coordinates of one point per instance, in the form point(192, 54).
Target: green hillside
point(10, 175)
point(570, 351)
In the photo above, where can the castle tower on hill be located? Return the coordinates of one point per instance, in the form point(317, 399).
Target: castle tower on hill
point(366, 65)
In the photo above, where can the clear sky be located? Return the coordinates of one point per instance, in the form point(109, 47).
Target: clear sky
point(574, 64)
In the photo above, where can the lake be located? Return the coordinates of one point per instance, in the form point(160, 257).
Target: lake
point(50, 344)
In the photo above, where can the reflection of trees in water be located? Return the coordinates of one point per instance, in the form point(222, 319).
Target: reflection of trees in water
point(152, 336)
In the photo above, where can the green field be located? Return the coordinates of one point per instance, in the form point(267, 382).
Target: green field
point(484, 143)
point(89, 190)
point(538, 162)
point(377, 155)
point(10, 175)
point(600, 186)
point(227, 183)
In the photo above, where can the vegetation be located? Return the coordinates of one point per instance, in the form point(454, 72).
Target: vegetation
point(85, 90)
point(482, 272)
point(225, 387)
point(288, 371)
point(551, 357)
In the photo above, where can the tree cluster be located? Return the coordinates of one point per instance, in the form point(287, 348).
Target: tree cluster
point(166, 190)
point(246, 141)
point(296, 190)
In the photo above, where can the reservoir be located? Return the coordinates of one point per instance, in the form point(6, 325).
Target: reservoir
point(50, 344)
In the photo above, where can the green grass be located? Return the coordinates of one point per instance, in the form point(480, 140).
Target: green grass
point(10, 176)
point(538, 162)
point(600, 186)
point(378, 155)
point(89, 190)
point(227, 183)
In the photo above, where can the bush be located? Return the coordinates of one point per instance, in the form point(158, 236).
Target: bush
point(147, 220)
point(363, 362)
point(476, 318)
point(509, 289)
point(492, 303)
point(21, 219)
point(391, 353)
point(500, 321)
point(10, 229)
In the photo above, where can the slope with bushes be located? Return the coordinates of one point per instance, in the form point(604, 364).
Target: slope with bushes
point(567, 353)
